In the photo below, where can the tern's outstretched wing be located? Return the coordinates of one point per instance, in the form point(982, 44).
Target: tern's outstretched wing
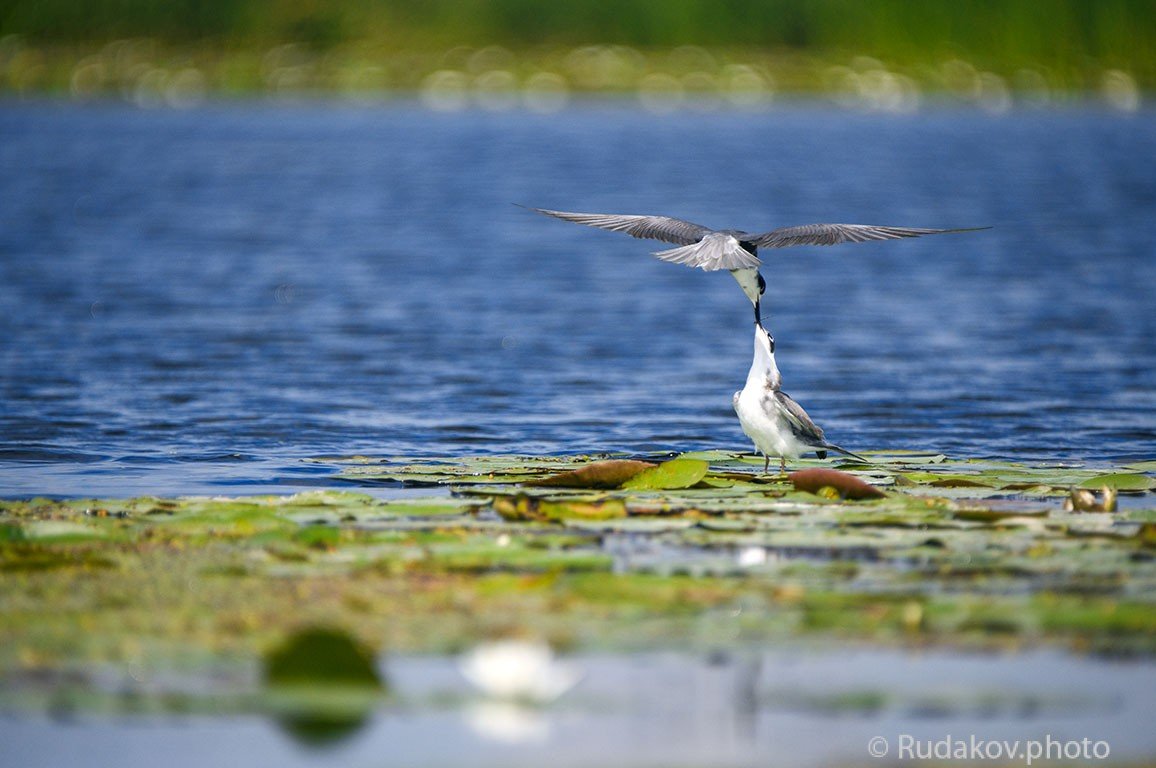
point(831, 234)
point(717, 250)
point(665, 228)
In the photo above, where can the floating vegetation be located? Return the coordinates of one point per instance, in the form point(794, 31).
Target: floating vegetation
point(599, 474)
point(834, 484)
point(583, 552)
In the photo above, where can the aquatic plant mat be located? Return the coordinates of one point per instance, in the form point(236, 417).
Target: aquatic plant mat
point(700, 552)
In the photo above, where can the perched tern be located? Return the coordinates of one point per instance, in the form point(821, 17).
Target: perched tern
point(733, 249)
point(777, 424)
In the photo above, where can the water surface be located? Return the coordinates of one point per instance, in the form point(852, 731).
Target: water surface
point(750, 708)
point(194, 301)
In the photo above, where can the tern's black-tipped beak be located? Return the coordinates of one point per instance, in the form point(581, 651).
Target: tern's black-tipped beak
point(758, 314)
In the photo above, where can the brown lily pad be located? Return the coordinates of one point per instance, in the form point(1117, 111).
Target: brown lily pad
point(600, 474)
point(845, 485)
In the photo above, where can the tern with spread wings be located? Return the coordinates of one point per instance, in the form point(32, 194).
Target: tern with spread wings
point(732, 249)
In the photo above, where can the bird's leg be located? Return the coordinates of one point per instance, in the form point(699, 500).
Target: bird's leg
point(766, 464)
point(782, 465)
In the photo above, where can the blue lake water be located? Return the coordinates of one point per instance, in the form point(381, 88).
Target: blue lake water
point(194, 301)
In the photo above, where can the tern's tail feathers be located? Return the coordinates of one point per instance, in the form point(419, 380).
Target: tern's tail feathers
point(716, 250)
point(832, 447)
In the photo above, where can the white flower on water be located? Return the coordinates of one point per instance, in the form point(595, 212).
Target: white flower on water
point(518, 670)
point(749, 557)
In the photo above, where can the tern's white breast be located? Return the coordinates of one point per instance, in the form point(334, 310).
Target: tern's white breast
point(763, 422)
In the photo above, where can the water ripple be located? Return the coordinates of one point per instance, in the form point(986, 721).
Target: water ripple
point(197, 301)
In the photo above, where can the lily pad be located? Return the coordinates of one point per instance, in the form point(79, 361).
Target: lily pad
point(600, 474)
point(669, 475)
point(714, 457)
point(583, 510)
point(997, 509)
point(526, 507)
point(904, 457)
point(428, 507)
point(845, 485)
point(1121, 481)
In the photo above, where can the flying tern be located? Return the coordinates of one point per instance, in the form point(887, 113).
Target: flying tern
point(733, 249)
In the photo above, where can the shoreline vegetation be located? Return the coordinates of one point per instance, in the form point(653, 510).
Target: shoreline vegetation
point(508, 54)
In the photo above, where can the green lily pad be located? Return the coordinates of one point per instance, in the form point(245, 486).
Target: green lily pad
point(1121, 481)
point(904, 457)
point(1027, 478)
point(669, 475)
point(428, 507)
point(583, 510)
point(714, 457)
point(525, 507)
point(1141, 466)
point(960, 481)
point(730, 524)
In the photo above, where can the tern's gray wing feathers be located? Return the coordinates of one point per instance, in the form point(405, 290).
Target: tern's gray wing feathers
point(665, 228)
point(716, 250)
point(807, 431)
point(802, 427)
point(831, 234)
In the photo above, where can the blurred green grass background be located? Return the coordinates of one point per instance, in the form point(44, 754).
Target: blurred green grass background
point(872, 52)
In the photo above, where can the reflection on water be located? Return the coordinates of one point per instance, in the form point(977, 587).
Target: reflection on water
point(321, 731)
point(518, 670)
point(508, 722)
point(323, 684)
point(821, 708)
point(194, 301)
